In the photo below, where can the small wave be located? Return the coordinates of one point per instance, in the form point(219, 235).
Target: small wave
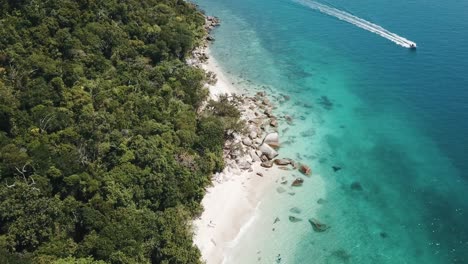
point(359, 22)
point(233, 243)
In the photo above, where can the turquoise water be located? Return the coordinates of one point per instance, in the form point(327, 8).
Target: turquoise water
point(394, 120)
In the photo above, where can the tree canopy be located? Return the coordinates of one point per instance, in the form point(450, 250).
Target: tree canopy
point(103, 157)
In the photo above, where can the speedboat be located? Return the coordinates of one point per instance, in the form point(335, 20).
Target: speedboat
point(412, 45)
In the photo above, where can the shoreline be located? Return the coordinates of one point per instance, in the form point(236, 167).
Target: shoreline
point(252, 166)
point(223, 84)
point(230, 203)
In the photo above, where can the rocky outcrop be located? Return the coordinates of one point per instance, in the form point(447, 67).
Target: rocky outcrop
point(211, 22)
point(259, 142)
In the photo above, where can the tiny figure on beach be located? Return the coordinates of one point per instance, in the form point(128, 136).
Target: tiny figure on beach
point(211, 224)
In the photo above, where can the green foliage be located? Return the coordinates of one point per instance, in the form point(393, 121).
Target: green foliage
point(72, 260)
point(103, 157)
point(226, 111)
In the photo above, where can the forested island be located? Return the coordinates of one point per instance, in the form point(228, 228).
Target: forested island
point(105, 148)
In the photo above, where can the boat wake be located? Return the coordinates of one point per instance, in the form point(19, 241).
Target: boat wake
point(359, 22)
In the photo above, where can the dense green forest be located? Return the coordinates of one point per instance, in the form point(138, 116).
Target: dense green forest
point(104, 150)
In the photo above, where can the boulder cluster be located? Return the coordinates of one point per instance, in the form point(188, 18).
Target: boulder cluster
point(260, 141)
point(210, 23)
point(199, 55)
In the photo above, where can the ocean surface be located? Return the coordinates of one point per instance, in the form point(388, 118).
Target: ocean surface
point(394, 120)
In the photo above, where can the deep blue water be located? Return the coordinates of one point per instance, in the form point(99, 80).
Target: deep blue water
point(397, 123)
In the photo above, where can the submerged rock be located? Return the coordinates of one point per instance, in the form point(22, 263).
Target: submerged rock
point(341, 255)
point(325, 102)
point(317, 226)
point(305, 169)
point(280, 190)
point(308, 133)
point(295, 210)
point(294, 219)
point(336, 168)
point(297, 182)
point(306, 105)
point(321, 201)
point(356, 186)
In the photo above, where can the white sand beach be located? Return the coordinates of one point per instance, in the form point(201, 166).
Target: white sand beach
point(223, 85)
point(231, 203)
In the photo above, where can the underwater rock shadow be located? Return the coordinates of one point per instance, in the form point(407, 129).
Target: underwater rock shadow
point(325, 102)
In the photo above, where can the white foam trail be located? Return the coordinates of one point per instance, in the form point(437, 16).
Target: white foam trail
point(359, 22)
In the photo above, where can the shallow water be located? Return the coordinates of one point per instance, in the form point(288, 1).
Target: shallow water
point(395, 121)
